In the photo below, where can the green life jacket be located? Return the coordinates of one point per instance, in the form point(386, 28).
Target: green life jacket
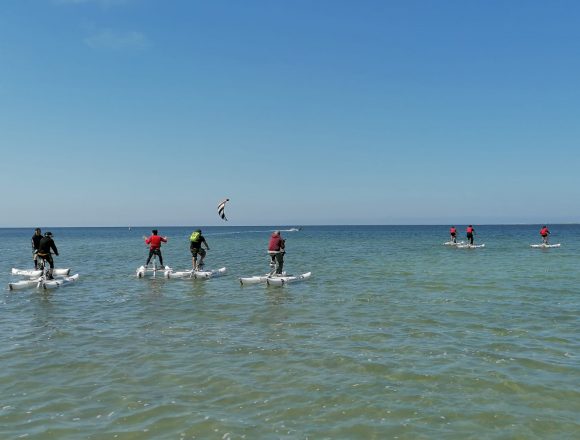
point(195, 236)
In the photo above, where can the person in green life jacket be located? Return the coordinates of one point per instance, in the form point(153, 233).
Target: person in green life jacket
point(196, 240)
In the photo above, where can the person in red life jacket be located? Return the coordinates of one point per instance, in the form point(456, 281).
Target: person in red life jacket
point(453, 234)
point(544, 232)
point(35, 243)
point(276, 251)
point(154, 242)
point(45, 245)
point(469, 232)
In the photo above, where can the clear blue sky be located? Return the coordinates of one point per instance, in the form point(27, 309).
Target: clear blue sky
point(143, 112)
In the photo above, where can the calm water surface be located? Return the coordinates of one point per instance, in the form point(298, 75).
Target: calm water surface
point(394, 336)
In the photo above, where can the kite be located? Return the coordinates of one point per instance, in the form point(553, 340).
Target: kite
point(221, 209)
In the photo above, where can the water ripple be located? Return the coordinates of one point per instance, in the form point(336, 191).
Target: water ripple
point(408, 342)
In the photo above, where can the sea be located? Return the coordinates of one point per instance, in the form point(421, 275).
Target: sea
point(395, 336)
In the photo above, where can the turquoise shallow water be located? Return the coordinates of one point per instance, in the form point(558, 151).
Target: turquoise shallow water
point(394, 336)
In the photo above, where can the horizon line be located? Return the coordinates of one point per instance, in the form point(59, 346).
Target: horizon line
point(295, 225)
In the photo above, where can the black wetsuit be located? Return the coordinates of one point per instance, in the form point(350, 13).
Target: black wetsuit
point(36, 241)
point(44, 247)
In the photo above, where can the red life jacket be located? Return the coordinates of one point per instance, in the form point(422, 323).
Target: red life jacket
point(155, 241)
point(276, 243)
point(469, 230)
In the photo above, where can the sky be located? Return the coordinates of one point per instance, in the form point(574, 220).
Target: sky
point(150, 112)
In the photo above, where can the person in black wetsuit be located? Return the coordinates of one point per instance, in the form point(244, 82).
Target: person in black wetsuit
point(44, 248)
point(35, 242)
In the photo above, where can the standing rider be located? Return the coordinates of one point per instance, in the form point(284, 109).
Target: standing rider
point(544, 232)
point(35, 243)
point(469, 234)
point(45, 245)
point(195, 242)
point(154, 242)
point(453, 234)
point(276, 251)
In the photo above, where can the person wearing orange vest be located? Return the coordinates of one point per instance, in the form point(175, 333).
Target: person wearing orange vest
point(544, 232)
point(154, 242)
point(453, 234)
point(469, 232)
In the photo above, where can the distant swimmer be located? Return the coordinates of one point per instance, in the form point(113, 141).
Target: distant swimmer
point(154, 242)
point(544, 232)
point(276, 250)
point(453, 234)
point(45, 245)
point(469, 233)
point(195, 242)
point(35, 243)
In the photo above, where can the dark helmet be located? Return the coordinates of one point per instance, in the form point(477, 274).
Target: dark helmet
point(48, 234)
point(154, 231)
point(198, 230)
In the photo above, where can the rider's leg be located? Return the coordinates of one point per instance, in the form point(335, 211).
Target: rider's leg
point(51, 265)
point(202, 256)
point(279, 263)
